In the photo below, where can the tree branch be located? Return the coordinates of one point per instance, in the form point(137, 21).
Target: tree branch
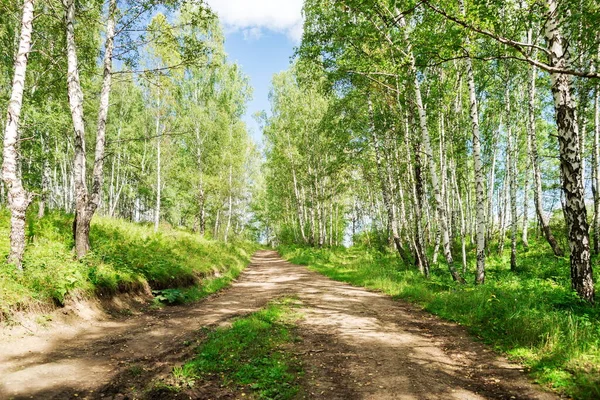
point(519, 46)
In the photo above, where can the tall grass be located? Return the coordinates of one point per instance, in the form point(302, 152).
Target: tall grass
point(125, 257)
point(531, 315)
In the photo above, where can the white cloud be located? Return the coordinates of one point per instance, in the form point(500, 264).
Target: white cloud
point(253, 33)
point(252, 17)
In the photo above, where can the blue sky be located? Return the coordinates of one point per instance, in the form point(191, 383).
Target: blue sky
point(260, 35)
point(259, 58)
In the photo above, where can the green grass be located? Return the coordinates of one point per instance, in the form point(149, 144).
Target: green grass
point(253, 355)
point(125, 257)
point(532, 315)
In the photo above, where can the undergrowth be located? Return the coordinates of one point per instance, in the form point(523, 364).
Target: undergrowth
point(252, 356)
point(531, 315)
point(125, 258)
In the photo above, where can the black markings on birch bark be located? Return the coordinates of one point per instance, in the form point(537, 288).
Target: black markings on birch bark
point(478, 166)
point(570, 158)
point(18, 198)
point(87, 202)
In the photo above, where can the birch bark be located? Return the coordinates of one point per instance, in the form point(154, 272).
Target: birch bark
point(387, 196)
point(46, 189)
point(512, 181)
point(18, 198)
point(596, 168)
point(570, 158)
point(435, 182)
point(478, 166)
point(537, 174)
point(87, 202)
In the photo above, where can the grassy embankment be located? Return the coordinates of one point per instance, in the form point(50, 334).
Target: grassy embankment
point(253, 356)
point(125, 258)
point(531, 315)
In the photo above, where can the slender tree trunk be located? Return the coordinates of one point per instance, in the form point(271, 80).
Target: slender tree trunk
point(503, 204)
point(385, 187)
point(319, 221)
point(462, 221)
point(512, 181)
point(479, 177)
point(111, 188)
point(312, 239)
point(418, 199)
point(230, 204)
point(393, 189)
point(158, 175)
point(436, 247)
point(112, 211)
point(491, 187)
point(299, 207)
point(86, 203)
point(537, 175)
point(441, 212)
point(570, 159)
point(46, 190)
point(525, 230)
point(114, 175)
point(80, 225)
point(596, 168)
point(583, 125)
point(216, 228)
point(201, 194)
point(446, 189)
point(478, 166)
point(98, 172)
point(18, 198)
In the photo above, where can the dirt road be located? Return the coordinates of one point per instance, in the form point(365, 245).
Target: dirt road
point(355, 344)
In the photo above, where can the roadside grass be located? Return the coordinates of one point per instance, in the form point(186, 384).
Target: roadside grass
point(252, 356)
point(532, 315)
point(125, 258)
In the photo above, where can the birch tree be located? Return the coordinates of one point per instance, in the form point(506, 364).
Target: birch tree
point(18, 198)
point(478, 165)
point(570, 156)
point(87, 201)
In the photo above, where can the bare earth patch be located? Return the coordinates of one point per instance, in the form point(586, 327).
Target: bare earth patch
point(355, 344)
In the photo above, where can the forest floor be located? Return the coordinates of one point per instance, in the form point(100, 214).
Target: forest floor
point(354, 344)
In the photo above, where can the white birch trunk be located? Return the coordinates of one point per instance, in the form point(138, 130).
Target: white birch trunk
point(158, 175)
point(46, 186)
point(86, 203)
point(441, 212)
point(596, 168)
point(491, 188)
point(230, 204)
point(462, 221)
point(76, 105)
point(503, 206)
point(512, 181)
point(570, 159)
point(525, 229)
point(478, 166)
point(385, 185)
point(18, 198)
point(537, 174)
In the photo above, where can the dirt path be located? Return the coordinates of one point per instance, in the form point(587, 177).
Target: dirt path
point(356, 345)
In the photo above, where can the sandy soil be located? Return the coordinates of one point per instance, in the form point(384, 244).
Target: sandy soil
point(355, 344)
